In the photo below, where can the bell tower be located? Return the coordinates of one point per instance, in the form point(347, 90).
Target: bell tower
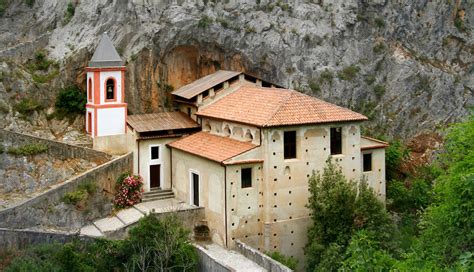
point(106, 110)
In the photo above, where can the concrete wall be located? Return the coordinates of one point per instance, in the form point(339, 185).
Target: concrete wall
point(211, 189)
point(56, 149)
point(48, 209)
point(112, 144)
point(207, 263)
point(261, 259)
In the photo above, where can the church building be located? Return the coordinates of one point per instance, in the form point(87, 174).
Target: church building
point(239, 146)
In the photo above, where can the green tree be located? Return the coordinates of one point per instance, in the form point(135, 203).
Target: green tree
point(340, 208)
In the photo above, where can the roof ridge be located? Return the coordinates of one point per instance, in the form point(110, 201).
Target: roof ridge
point(267, 122)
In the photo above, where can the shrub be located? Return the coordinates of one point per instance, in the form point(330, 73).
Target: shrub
point(2, 149)
point(250, 29)
point(288, 261)
point(83, 191)
point(129, 192)
point(43, 78)
point(326, 76)
point(4, 108)
point(379, 22)
point(205, 21)
point(71, 100)
point(364, 254)
point(314, 86)
point(408, 196)
point(27, 106)
point(40, 62)
point(349, 72)
point(30, 3)
point(28, 149)
point(379, 90)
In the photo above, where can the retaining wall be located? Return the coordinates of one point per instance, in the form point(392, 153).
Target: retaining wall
point(18, 239)
point(55, 148)
point(258, 257)
point(48, 209)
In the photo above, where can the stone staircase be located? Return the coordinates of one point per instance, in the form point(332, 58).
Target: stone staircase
point(157, 194)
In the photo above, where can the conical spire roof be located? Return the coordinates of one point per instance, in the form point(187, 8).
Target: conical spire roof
point(105, 54)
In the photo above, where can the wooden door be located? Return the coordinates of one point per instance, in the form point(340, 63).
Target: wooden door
point(195, 191)
point(155, 175)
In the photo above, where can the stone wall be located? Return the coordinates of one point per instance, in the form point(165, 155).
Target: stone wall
point(18, 239)
point(261, 259)
point(56, 149)
point(47, 210)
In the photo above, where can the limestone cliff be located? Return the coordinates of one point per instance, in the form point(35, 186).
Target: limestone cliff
point(408, 65)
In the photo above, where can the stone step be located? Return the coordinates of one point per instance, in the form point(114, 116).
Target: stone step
point(158, 193)
point(153, 198)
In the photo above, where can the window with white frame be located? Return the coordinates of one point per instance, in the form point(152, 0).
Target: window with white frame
point(154, 152)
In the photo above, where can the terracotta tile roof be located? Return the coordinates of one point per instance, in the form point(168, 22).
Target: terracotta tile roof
point(371, 143)
point(160, 121)
point(212, 147)
point(196, 87)
point(266, 107)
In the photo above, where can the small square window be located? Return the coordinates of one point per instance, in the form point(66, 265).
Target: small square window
point(246, 177)
point(155, 152)
point(367, 161)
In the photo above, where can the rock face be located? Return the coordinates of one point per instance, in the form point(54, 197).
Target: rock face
point(408, 65)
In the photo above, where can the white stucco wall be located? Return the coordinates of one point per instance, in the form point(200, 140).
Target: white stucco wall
point(111, 121)
point(232, 130)
point(376, 177)
point(145, 161)
point(118, 80)
point(211, 188)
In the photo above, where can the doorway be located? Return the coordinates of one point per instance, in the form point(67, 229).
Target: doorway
point(155, 174)
point(89, 122)
point(195, 188)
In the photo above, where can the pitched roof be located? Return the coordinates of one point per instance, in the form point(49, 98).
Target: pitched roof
point(212, 147)
point(160, 121)
point(371, 143)
point(204, 83)
point(105, 54)
point(266, 107)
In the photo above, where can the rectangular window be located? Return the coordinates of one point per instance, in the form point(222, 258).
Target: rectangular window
point(336, 141)
point(246, 177)
point(289, 139)
point(155, 152)
point(367, 161)
point(189, 112)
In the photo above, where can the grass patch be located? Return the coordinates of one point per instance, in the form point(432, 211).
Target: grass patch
point(40, 66)
point(379, 48)
point(3, 6)
point(326, 76)
point(70, 10)
point(205, 21)
point(82, 192)
point(27, 106)
point(370, 80)
point(379, 90)
point(288, 261)
point(4, 107)
point(314, 86)
point(28, 149)
point(348, 73)
point(2, 149)
point(250, 29)
point(43, 78)
point(30, 3)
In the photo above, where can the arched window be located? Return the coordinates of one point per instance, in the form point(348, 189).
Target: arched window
point(89, 88)
point(110, 89)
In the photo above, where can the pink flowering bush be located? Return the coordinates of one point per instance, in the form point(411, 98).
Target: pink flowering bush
point(129, 191)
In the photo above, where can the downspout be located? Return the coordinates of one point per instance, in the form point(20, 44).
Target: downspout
point(138, 156)
point(225, 204)
point(171, 167)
